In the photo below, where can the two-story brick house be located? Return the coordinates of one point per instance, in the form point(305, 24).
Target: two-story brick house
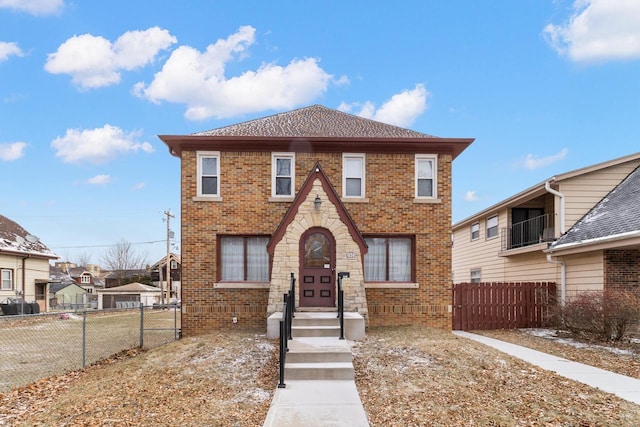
point(313, 192)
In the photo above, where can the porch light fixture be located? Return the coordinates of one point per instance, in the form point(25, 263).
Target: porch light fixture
point(317, 203)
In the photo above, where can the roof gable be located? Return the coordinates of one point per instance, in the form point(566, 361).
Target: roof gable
point(317, 172)
point(615, 215)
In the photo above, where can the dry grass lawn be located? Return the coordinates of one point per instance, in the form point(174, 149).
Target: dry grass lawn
point(406, 377)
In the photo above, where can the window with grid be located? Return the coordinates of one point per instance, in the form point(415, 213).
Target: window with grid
point(425, 176)
point(353, 175)
point(209, 174)
point(6, 276)
point(283, 174)
point(389, 259)
point(244, 259)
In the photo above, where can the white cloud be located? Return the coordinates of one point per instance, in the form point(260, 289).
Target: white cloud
point(197, 79)
point(532, 162)
point(12, 151)
point(139, 186)
point(471, 196)
point(9, 48)
point(93, 61)
point(401, 110)
point(99, 180)
point(34, 7)
point(97, 145)
point(598, 30)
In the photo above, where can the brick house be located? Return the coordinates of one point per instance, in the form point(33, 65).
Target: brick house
point(313, 192)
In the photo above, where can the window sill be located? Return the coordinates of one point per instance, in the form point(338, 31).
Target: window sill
point(280, 199)
point(427, 200)
point(241, 285)
point(355, 199)
point(391, 285)
point(207, 199)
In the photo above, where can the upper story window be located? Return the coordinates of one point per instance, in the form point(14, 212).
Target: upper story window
point(475, 231)
point(492, 226)
point(85, 278)
point(174, 264)
point(389, 259)
point(209, 174)
point(425, 176)
point(6, 279)
point(282, 174)
point(244, 259)
point(353, 175)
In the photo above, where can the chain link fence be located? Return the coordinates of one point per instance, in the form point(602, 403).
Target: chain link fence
point(41, 345)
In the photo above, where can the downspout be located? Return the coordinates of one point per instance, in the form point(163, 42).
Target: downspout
point(563, 279)
point(547, 186)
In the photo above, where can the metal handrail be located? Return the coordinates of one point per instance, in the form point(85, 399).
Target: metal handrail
point(341, 301)
point(288, 309)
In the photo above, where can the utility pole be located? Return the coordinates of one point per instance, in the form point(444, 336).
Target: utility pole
point(168, 276)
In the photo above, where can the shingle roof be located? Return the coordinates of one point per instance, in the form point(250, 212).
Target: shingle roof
point(615, 215)
point(314, 121)
point(15, 239)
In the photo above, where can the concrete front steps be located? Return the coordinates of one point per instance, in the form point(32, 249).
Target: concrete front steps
point(316, 352)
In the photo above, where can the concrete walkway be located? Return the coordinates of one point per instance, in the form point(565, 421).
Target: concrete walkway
point(622, 386)
point(317, 403)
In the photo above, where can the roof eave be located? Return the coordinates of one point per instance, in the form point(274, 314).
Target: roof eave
point(316, 144)
point(624, 240)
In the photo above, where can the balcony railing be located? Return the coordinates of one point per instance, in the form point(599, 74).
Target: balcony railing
point(526, 233)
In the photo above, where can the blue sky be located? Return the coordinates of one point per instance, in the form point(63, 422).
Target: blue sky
point(544, 86)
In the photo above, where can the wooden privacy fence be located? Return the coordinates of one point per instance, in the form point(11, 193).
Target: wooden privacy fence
point(478, 306)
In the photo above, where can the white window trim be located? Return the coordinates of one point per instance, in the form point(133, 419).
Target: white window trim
point(475, 238)
point(478, 271)
point(363, 177)
point(10, 279)
point(496, 227)
point(434, 159)
point(274, 157)
point(199, 156)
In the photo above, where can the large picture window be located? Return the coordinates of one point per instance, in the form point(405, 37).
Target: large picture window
point(353, 177)
point(6, 280)
point(209, 174)
point(389, 259)
point(244, 259)
point(283, 174)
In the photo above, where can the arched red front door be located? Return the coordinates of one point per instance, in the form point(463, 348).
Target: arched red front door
point(317, 267)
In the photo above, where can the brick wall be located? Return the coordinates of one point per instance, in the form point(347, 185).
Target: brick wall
point(245, 209)
point(622, 269)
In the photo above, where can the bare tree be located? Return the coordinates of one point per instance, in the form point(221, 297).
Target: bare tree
point(82, 259)
point(124, 262)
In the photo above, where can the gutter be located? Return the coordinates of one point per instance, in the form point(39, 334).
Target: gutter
point(547, 186)
point(563, 279)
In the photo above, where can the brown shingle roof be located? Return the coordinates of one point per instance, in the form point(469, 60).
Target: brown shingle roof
point(314, 121)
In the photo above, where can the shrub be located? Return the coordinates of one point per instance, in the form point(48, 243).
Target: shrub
point(602, 314)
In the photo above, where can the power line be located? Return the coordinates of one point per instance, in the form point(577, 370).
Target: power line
point(106, 246)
